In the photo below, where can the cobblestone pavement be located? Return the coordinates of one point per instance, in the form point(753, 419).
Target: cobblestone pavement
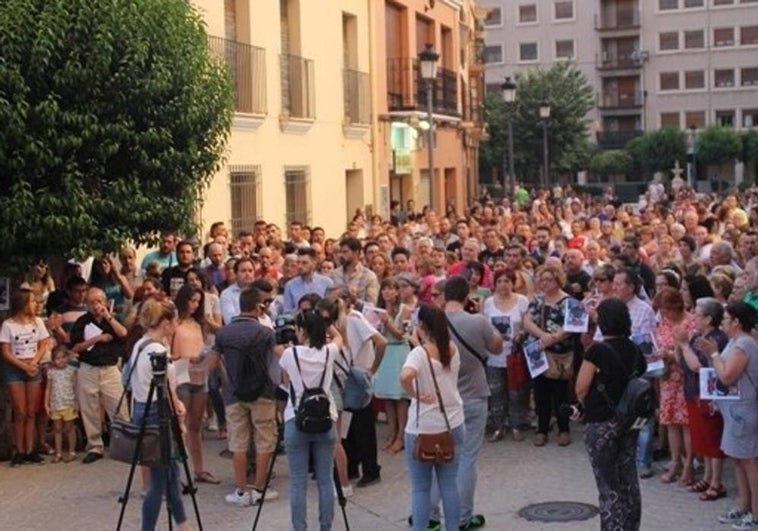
point(511, 475)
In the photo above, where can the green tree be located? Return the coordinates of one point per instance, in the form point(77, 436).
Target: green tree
point(494, 152)
point(658, 150)
point(113, 119)
point(749, 146)
point(571, 98)
point(611, 162)
point(716, 145)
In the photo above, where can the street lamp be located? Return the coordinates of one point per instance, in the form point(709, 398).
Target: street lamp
point(544, 118)
point(509, 97)
point(691, 137)
point(428, 61)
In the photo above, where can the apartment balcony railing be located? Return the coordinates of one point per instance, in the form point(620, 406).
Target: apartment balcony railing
point(620, 20)
point(406, 91)
point(616, 139)
point(298, 90)
point(619, 100)
point(357, 93)
point(615, 61)
point(247, 68)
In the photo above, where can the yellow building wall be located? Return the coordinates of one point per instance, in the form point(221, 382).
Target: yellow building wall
point(324, 148)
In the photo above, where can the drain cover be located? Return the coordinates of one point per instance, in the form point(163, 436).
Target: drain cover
point(558, 511)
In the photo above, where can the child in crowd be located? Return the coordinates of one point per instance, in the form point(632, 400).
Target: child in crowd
point(60, 403)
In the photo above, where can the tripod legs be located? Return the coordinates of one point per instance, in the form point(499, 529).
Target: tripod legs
point(279, 437)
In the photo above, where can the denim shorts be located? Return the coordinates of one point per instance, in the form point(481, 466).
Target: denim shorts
point(12, 374)
point(187, 389)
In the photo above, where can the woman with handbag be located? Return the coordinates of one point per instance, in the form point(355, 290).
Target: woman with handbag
point(544, 322)
point(159, 319)
point(435, 417)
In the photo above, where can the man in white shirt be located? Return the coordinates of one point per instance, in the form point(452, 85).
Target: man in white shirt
point(244, 271)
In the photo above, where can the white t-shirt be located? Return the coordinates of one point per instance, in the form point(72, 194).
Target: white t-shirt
point(23, 338)
point(359, 333)
point(312, 364)
point(142, 374)
point(516, 317)
point(430, 415)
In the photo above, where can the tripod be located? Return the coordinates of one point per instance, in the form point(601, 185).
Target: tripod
point(168, 427)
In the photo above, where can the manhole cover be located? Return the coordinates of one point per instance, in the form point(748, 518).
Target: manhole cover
point(558, 511)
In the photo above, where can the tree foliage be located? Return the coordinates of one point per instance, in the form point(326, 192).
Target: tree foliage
point(716, 145)
point(113, 118)
point(571, 98)
point(749, 146)
point(658, 150)
point(611, 162)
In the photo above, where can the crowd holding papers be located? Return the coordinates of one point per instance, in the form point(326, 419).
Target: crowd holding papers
point(576, 318)
point(711, 387)
point(91, 330)
point(374, 315)
point(536, 359)
point(655, 364)
point(502, 324)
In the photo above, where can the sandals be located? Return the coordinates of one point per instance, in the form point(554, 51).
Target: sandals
point(712, 494)
point(71, 456)
point(540, 440)
point(670, 475)
point(206, 477)
point(57, 458)
point(700, 486)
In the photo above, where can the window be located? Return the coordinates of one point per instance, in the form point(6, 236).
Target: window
point(725, 118)
point(723, 78)
point(667, 5)
point(723, 2)
point(527, 13)
point(748, 35)
point(296, 190)
point(527, 51)
point(749, 117)
point(694, 79)
point(670, 119)
point(693, 3)
point(694, 39)
point(696, 118)
point(493, 54)
point(564, 10)
point(749, 76)
point(668, 40)
point(494, 17)
point(669, 80)
point(564, 49)
point(723, 37)
point(245, 192)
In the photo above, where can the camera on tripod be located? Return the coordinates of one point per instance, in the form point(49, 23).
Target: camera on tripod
point(158, 363)
point(284, 329)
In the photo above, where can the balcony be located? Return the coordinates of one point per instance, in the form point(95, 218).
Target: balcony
point(616, 139)
point(621, 20)
point(298, 91)
point(406, 91)
point(617, 61)
point(620, 100)
point(247, 68)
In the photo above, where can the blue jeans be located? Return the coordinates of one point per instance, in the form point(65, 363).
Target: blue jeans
point(420, 475)
point(645, 444)
point(151, 505)
point(299, 445)
point(475, 415)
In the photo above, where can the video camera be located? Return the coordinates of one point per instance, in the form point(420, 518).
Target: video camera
point(159, 363)
point(284, 329)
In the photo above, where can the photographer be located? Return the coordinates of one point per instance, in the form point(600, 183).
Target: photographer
point(611, 449)
point(160, 319)
point(310, 365)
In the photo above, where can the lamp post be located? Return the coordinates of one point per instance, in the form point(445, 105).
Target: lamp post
point(544, 118)
point(691, 136)
point(428, 61)
point(509, 96)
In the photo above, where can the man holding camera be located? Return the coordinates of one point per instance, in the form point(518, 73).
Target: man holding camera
point(249, 396)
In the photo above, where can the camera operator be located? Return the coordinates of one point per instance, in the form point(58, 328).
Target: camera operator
point(159, 319)
point(306, 365)
point(611, 449)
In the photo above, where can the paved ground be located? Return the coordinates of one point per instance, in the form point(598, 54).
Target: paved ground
point(511, 475)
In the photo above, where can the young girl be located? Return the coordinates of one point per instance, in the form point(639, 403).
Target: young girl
point(60, 403)
point(387, 383)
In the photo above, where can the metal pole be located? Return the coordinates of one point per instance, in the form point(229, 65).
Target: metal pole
point(511, 163)
point(430, 140)
point(545, 173)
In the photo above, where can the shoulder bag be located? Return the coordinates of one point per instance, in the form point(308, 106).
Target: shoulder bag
point(433, 447)
point(559, 366)
point(482, 360)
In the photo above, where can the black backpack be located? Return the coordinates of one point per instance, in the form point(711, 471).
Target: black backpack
point(637, 403)
point(312, 413)
point(253, 381)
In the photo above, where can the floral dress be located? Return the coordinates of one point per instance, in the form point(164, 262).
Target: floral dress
point(673, 408)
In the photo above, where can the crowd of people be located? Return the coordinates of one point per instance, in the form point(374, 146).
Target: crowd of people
point(444, 314)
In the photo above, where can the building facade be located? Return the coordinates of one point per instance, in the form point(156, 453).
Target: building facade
point(652, 63)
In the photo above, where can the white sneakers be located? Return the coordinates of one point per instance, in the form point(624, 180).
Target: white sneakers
point(250, 497)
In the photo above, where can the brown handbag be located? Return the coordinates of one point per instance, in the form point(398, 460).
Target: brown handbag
point(559, 366)
point(434, 447)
